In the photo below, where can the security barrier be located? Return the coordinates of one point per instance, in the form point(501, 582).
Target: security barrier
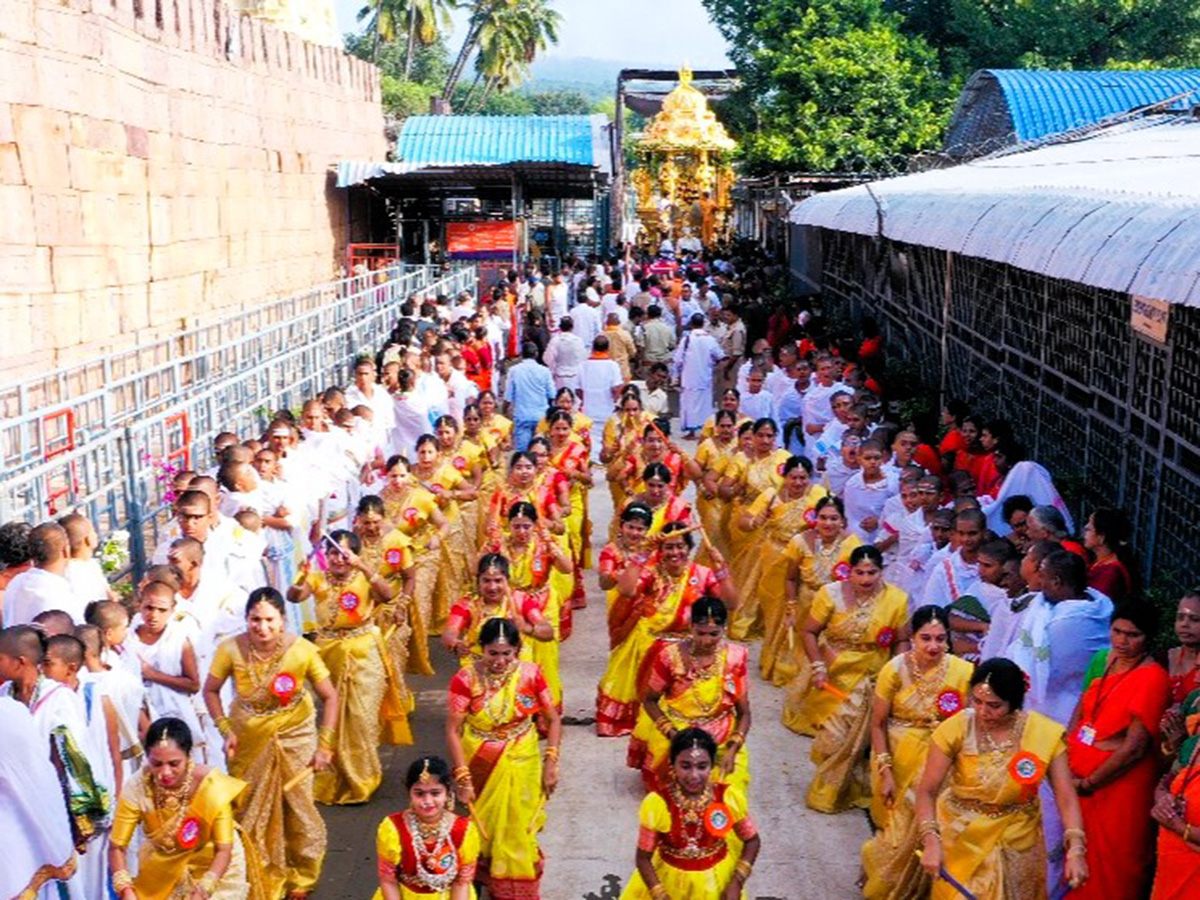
point(126, 435)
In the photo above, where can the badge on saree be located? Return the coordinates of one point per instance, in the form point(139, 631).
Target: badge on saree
point(348, 601)
point(460, 462)
point(718, 821)
point(410, 514)
point(841, 571)
point(1026, 769)
point(527, 702)
point(1086, 735)
point(949, 702)
point(393, 557)
point(886, 637)
point(810, 516)
point(283, 686)
point(189, 833)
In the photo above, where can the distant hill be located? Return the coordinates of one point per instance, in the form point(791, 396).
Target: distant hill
point(596, 79)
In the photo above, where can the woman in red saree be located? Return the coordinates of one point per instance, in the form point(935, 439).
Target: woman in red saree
point(522, 485)
point(1111, 748)
point(1183, 669)
point(1112, 570)
point(1177, 812)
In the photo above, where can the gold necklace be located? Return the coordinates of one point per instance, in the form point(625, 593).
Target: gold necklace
point(987, 737)
point(171, 803)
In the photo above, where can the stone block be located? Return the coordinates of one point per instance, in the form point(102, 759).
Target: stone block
point(93, 170)
point(7, 134)
point(10, 165)
point(77, 269)
point(134, 311)
point(137, 142)
point(16, 320)
point(58, 219)
point(17, 223)
point(99, 309)
point(62, 314)
point(42, 137)
point(26, 268)
point(19, 21)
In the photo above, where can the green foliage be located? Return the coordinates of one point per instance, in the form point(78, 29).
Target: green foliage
point(560, 103)
point(405, 98)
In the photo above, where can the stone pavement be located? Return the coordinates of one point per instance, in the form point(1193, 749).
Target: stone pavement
point(591, 829)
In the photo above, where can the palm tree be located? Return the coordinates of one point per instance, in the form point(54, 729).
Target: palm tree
point(383, 18)
point(424, 20)
point(509, 40)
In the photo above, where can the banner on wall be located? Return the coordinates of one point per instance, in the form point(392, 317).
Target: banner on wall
point(481, 240)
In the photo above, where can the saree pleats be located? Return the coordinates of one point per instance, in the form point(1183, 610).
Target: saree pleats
point(357, 671)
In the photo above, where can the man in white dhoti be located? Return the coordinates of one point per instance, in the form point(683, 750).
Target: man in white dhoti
point(38, 849)
point(696, 358)
point(367, 392)
point(817, 411)
point(564, 355)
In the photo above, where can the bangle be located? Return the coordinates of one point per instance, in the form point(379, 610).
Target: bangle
point(664, 726)
point(1073, 836)
point(224, 726)
point(743, 868)
point(121, 879)
point(208, 883)
point(325, 737)
point(736, 740)
point(658, 892)
point(462, 774)
point(883, 760)
point(552, 753)
point(928, 827)
point(1187, 830)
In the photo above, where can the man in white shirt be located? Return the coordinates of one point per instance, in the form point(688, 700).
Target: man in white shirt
point(460, 390)
point(556, 301)
point(463, 308)
point(949, 579)
point(366, 392)
point(588, 317)
point(83, 570)
point(817, 411)
point(601, 382)
point(44, 586)
point(565, 354)
point(696, 358)
point(756, 402)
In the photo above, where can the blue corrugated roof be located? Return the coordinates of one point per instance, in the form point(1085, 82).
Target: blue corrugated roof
point(1043, 103)
point(496, 140)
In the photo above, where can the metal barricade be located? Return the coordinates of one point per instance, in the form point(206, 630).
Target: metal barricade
point(117, 475)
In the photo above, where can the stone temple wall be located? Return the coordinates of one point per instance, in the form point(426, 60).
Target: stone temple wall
point(162, 163)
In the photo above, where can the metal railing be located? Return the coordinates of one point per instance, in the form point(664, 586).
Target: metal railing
point(114, 469)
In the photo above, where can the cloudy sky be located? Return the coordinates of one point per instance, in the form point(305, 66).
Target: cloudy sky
point(646, 32)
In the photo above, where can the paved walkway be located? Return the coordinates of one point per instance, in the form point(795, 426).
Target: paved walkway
point(591, 829)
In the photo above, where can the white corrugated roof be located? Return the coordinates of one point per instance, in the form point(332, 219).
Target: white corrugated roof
point(1117, 210)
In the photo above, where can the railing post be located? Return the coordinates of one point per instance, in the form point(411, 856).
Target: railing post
point(133, 508)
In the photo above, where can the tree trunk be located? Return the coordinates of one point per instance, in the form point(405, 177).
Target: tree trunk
point(487, 91)
point(412, 38)
point(375, 40)
point(471, 93)
point(464, 53)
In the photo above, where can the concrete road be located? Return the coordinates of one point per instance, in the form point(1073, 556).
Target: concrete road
point(591, 829)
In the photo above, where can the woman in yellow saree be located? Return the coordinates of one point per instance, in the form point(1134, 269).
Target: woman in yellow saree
point(498, 771)
point(370, 694)
point(697, 840)
point(271, 737)
point(984, 830)
point(731, 401)
point(916, 692)
point(427, 852)
point(818, 556)
point(497, 429)
point(655, 447)
point(581, 425)
point(712, 457)
point(389, 552)
point(854, 627)
point(700, 682)
point(653, 601)
point(774, 518)
point(449, 487)
point(469, 459)
point(746, 477)
point(571, 458)
point(412, 511)
point(621, 432)
point(185, 810)
point(491, 458)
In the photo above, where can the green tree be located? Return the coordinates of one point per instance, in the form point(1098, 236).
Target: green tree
point(560, 103)
point(508, 35)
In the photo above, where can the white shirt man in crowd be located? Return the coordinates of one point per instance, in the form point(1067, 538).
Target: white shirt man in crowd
point(601, 383)
point(695, 359)
point(588, 317)
point(44, 585)
point(366, 392)
point(557, 298)
point(565, 354)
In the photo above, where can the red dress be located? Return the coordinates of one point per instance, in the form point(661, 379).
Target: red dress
point(1111, 578)
point(1116, 817)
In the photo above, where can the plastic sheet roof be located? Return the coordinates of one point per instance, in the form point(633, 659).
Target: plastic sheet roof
point(1043, 103)
point(1117, 210)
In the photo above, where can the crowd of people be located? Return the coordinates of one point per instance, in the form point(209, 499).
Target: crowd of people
point(962, 665)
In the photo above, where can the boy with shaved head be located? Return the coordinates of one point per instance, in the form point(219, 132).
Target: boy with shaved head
point(83, 569)
point(45, 585)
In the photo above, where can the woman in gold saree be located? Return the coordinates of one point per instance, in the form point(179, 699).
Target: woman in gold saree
point(774, 518)
point(497, 766)
point(916, 692)
point(620, 433)
point(491, 457)
point(854, 627)
point(271, 737)
point(469, 459)
point(699, 682)
point(984, 829)
point(817, 556)
point(712, 456)
point(497, 429)
point(413, 511)
point(747, 477)
point(370, 694)
point(449, 488)
point(389, 552)
point(571, 458)
point(192, 845)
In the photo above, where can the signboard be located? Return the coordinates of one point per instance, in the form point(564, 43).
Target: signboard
point(481, 240)
point(1149, 317)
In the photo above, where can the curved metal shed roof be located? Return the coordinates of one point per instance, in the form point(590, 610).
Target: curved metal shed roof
point(1118, 210)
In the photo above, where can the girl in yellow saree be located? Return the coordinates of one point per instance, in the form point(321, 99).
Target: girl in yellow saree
point(427, 852)
point(369, 692)
point(817, 556)
point(389, 552)
point(700, 682)
point(491, 458)
point(412, 511)
point(746, 477)
point(712, 457)
point(621, 432)
point(852, 630)
point(271, 737)
point(469, 459)
point(185, 811)
point(498, 771)
point(653, 602)
point(985, 829)
point(449, 487)
point(774, 518)
point(916, 691)
point(571, 458)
